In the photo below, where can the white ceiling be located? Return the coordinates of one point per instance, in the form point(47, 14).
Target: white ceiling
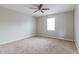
point(54, 8)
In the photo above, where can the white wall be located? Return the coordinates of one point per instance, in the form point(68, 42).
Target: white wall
point(64, 26)
point(77, 26)
point(15, 25)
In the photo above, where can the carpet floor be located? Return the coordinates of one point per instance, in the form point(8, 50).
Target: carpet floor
point(39, 45)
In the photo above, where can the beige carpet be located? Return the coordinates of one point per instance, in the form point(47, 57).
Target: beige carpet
point(39, 45)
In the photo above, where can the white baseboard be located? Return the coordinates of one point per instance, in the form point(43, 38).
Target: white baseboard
point(20, 38)
point(64, 39)
point(56, 37)
point(31, 35)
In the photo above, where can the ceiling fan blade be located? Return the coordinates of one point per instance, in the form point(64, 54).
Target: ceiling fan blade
point(42, 11)
point(35, 11)
point(32, 8)
point(40, 6)
point(45, 9)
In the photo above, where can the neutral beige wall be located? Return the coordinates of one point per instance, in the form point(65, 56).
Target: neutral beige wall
point(77, 26)
point(15, 25)
point(64, 26)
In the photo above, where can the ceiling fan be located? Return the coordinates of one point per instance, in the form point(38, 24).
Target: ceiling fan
point(40, 8)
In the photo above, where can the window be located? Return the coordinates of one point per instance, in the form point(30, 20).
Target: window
point(51, 24)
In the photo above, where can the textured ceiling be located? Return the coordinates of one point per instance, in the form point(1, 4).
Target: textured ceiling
point(54, 8)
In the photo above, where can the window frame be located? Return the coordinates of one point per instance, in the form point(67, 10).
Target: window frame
point(48, 28)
